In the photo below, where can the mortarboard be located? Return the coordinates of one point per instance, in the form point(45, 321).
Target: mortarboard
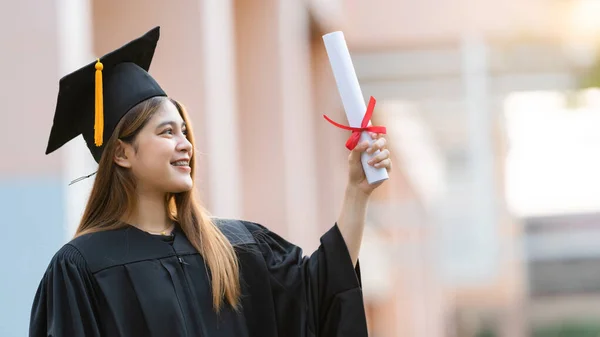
point(93, 99)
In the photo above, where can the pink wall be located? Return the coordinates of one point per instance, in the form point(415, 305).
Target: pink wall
point(383, 24)
point(28, 87)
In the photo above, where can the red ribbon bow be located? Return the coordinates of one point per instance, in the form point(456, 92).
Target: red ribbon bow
point(355, 137)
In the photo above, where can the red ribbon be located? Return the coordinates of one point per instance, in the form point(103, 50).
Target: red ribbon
point(355, 137)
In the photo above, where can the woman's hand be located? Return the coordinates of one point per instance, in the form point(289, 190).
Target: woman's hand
point(357, 178)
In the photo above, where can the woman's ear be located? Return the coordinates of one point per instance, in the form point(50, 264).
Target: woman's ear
point(121, 157)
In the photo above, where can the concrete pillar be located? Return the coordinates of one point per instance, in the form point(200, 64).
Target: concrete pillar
point(260, 115)
point(220, 108)
point(75, 50)
point(277, 134)
point(299, 137)
point(481, 231)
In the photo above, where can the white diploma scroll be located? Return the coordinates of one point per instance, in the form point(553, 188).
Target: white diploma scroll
point(352, 97)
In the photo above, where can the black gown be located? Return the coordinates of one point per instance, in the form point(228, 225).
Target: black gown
point(128, 282)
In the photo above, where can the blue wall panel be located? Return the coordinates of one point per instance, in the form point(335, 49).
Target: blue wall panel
point(32, 229)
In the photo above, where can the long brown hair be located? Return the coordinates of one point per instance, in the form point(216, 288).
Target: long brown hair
point(114, 195)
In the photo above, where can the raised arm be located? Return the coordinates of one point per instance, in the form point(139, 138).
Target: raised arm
point(351, 220)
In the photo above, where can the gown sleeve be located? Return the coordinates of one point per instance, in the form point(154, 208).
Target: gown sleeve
point(320, 295)
point(64, 302)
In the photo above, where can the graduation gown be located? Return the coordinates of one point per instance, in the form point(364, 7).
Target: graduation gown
point(128, 282)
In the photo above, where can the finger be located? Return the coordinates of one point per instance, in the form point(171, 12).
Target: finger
point(384, 154)
point(386, 163)
point(360, 148)
point(379, 144)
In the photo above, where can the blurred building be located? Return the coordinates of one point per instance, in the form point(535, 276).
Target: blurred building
point(552, 183)
point(564, 277)
point(454, 65)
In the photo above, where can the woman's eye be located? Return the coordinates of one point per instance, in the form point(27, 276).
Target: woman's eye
point(184, 131)
point(168, 131)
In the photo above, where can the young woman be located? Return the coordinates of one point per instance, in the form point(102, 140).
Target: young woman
point(147, 260)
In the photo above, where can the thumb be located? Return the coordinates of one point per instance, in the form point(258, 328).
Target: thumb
point(355, 153)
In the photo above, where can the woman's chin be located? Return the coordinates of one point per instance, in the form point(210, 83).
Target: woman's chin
point(183, 186)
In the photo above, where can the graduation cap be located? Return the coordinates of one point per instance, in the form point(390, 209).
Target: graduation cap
point(93, 99)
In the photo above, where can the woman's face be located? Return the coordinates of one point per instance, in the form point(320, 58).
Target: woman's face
point(160, 155)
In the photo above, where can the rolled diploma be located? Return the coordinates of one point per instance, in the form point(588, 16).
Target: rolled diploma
point(352, 97)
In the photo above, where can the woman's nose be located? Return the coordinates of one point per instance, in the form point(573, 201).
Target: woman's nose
point(184, 145)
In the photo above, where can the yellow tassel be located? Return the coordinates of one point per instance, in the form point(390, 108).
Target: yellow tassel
point(99, 117)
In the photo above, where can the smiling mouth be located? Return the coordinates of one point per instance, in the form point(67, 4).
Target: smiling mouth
point(181, 163)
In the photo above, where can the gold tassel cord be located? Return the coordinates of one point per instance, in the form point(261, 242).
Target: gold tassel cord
point(99, 116)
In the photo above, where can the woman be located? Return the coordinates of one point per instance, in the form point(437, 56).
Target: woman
point(148, 261)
